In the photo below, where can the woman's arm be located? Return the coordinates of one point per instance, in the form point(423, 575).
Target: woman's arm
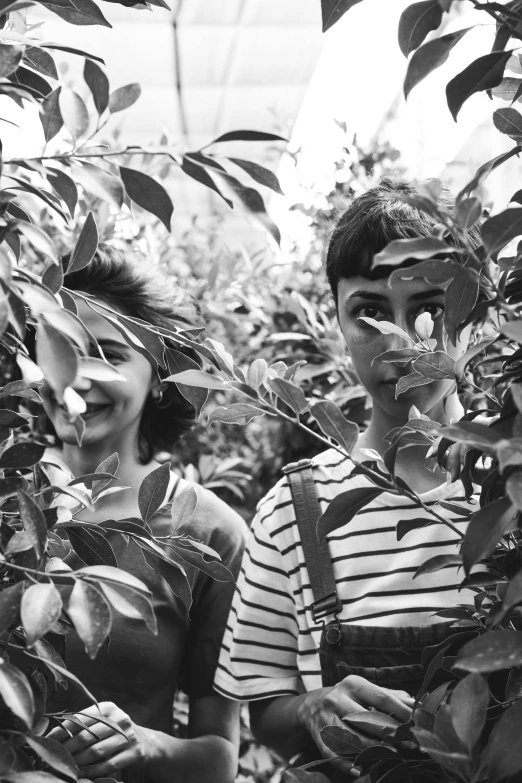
point(208, 756)
point(292, 724)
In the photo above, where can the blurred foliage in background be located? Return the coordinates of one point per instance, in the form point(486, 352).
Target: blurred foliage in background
point(258, 305)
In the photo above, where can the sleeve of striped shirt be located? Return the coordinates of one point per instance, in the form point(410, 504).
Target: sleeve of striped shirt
point(259, 653)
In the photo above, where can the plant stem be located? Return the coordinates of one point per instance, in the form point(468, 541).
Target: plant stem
point(496, 16)
point(111, 153)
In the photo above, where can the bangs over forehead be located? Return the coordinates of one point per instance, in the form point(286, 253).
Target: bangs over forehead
point(370, 223)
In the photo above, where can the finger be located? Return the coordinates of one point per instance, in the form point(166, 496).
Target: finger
point(101, 751)
point(85, 739)
point(452, 461)
point(370, 695)
point(58, 734)
point(404, 696)
point(109, 766)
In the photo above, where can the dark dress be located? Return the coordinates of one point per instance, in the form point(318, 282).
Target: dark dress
point(140, 672)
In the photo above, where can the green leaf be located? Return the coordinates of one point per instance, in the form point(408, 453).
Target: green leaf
point(52, 278)
point(178, 362)
point(10, 58)
point(247, 135)
point(344, 507)
point(468, 211)
point(110, 465)
point(483, 74)
point(56, 357)
point(253, 203)
point(130, 603)
point(513, 594)
point(38, 238)
point(259, 174)
point(212, 568)
point(153, 490)
point(112, 574)
point(64, 187)
point(400, 356)
point(437, 563)
point(459, 300)
point(41, 61)
point(256, 373)
point(74, 113)
point(386, 327)
point(366, 720)
point(491, 652)
point(55, 755)
point(99, 370)
point(40, 608)
point(33, 521)
point(289, 393)
point(508, 121)
point(198, 378)
point(340, 740)
point(91, 546)
point(238, 413)
point(10, 598)
point(173, 573)
point(503, 753)
point(485, 529)
point(21, 455)
point(437, 366)
point(124, 97)
point(514, 488)
point(98, 84)
point(411, 381)
point(497, 231)
point(486, 169)
point(469, 704)
point(90, 614)
point(48, 655)
point(183, 507)
point(416, 21)
point(429, 57)
point(82, 12)
point(86, 245)
point(148, 194)
point(437, 271)
point(405, 526)
point(100, 183)
point(401, 250)
point(479, 436)
point(16, 692)
point(334, 424)
point(9, 418)
point(196, 171)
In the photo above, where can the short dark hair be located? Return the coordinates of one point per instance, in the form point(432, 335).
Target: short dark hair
point(375, 219)
point(142, 291)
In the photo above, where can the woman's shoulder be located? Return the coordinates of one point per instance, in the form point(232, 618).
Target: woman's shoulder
point(213, 522)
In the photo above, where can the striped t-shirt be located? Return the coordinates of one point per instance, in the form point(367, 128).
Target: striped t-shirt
point(271, 645)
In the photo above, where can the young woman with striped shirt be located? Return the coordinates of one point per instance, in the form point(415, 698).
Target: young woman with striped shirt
point(305, 664)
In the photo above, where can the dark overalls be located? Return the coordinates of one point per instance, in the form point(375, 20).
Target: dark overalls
point(388, 657)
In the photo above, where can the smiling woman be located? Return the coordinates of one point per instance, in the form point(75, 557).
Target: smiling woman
point(135, 675)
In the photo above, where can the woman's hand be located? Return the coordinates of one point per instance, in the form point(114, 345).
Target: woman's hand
point(105, 751)
point(328, 706)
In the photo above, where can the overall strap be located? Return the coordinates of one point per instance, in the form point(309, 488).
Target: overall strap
point(317, 556)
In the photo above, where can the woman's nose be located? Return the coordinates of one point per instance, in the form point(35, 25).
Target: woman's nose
point(81, 384)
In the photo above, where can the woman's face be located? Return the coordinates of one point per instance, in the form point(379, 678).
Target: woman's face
point(400, 304)
point(114, 409)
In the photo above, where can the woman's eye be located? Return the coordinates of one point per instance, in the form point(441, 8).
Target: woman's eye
point(434, 310)
point(113, 358)
point(370, 311)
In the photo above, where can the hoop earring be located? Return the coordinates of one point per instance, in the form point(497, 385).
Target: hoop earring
point(157, 398)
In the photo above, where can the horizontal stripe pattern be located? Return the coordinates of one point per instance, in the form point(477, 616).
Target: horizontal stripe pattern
point(271, 645)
